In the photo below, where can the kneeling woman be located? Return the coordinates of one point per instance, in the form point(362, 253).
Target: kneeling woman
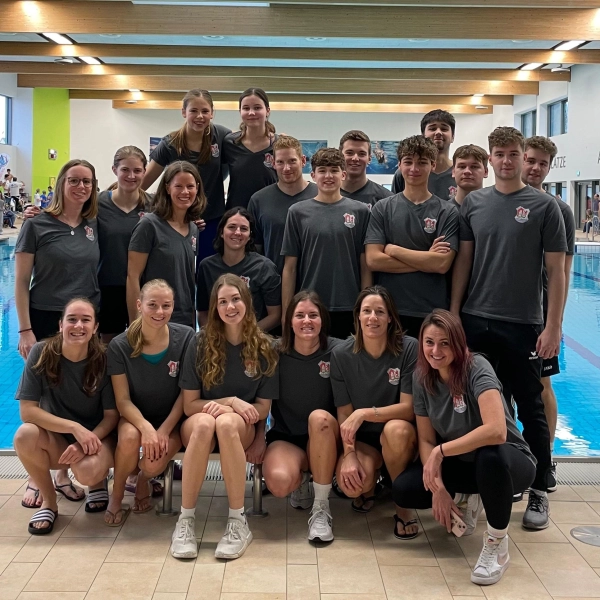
point(305, 437)
point(229, 379)
point(371, 375)
point(468, 443)
point(144, 363)
point(68, 412)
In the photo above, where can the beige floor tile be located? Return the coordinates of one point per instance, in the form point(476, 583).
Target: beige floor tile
point(211, 534)
point(443, 544)
point(574, 512)
point(221, 490)
point(169, 596)
point(517, 583)
point(273, 527)
point(68, 507)
point(4, 500)
point(208, 488)
point(351, 553)
point(408, 583)
point(265, 553)
point(219, 507)
point(242, 596)
point(10, 547)
point(303, 582)
point(70, 566)
point(14, 518)
point(347, 523)
point(206, 582)
point(301, 552)
point(89, 525)
point(250, 577)
point(339, 578)
point(37, 547)
point(457, 573)
point(353, 597)
point(591, 554)
point(11, 486)
point(561, 569)
point(566, 493)
point(175, 575)
point(124, 581)
point(14, 578)
point(551, 534)
point(51, 596)
point(578, 598)
point(589, 493)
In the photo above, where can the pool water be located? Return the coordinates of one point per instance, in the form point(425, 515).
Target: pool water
point(577, 387)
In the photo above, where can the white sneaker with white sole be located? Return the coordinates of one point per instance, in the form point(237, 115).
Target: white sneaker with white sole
point(493, 560)
point(183, 544)
point(235, 540)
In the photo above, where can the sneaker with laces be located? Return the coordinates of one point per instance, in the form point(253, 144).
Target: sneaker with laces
point(471, 506)
point(235, 540)
point(537, 514)
point(551, 478)
point(320, 524)
point(492, 561)
point(183, 543)
point(303, 497)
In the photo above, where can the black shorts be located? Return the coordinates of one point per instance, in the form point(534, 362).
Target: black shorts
point(297, 440)
point(44, 323)
point(550, 367)
point(370, 438)
point(114, 317)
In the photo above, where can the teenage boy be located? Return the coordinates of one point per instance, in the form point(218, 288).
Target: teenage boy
point(469, 169)
point(270, 206)
point(539, 154)
point(323, 244)
point(355, 145)
point(506, 233)
point(413, 238)
point(438, 126)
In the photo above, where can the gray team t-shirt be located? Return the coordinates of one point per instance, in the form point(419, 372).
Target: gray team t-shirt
point(328, 240)
point(442, 185)
point(239, 379)
point(369, 193)
point(172, 257)
point(269, 207)
point(259, 273)
point(153, 388)
point(211, 172)
point(364, 381)
point(66, 260)
point(67, 400)
point(248, 171)
point(397, 220)
point(511, 233)
point(114, 233)
point(304, 386)
point(455, 416)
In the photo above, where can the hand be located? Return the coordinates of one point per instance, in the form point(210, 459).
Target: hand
point(26, 342)
point(163, 440)
point(352, 473)
point(245, 410)
point(150, 444)
point(548, 343)
point(89, 441)
point(214, 409)
point(73, 454)
point(440, 246)
point(351, 425)
point(200, 224)
point(432, 471)
point(31, 211)
point(443, 507)
point(255, 453)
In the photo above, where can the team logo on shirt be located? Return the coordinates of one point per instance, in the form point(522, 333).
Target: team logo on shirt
point(214, 150)
point(349, 220)
point(430, 225)
point(194, 243)
point(268, 160)
point(394, 376)
point(459, 404)
point(324, 369)
point(452, 191)
point(245, 279)
point(141, 214)
point(250, 368)
point(173, 368)
point(522, 215)
point(89, 233)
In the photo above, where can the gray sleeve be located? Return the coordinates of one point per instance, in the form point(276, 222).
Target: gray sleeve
point(482, 377)
point(162, 154)
point(30, 385)
point(143, 238)
point(26, 242)
point(202, 291)
point(408, 365)
point(291, 239)
point(450, 227)
point(341, 397)
point(569, 220)
point(465, 230)
point(188, 377)
point(107, 394)
point(419, 398)
point(398, 182)
point(253, 210)
point(554, 237)
point(271, 286)
point(115, 364)
point(376, 230)
point(365, 227)
point(269, 386)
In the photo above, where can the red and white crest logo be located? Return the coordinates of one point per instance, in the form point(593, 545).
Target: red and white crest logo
point(245, 279)
point(394, 376)
point(430, 224)
point(522, 215)
point(173, 368)
point(324, 369)
point(250, 369)
point(349, 220)
point(194, 243)
point(89, 233)
point(459, 404)
point(141, 214)
point(214, 150)
point(452, 191)
point(268, 161)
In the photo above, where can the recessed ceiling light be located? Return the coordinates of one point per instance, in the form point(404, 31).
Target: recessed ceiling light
point(90, 60)
point(531, 66)
point(57, 38)
point(561, 69)
point(570, 45)
point(65, 60)
point(213, 37)
point(417, 40)
point(130, 101)
point(315, 39)
point(134, 90)
point(480, 107)
point(478, 95)
point(110, 35)
point(1, 34)
point(521, 41)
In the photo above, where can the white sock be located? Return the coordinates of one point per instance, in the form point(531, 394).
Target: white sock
point(187, 513)
point(322, 492)
point(237, 513)
point(539, 493)
point(497, 533)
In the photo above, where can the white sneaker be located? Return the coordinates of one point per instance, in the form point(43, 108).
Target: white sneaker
point(303, 496)
point(235, 540)
point(471, 512)
point(493, 560)
point(320, 524)
point(184, 543)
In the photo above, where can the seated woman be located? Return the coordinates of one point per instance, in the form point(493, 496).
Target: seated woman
point(236, 254)
point(306, 436)
point(468, 443)
point(371, 375)
point(229, 379)
point(68, 412)
point(144, 364)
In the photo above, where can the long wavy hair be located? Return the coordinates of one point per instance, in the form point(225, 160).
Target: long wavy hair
point(457, 342)
point(259, 93)
point(90, 207)
point(258, 353)
point(288, 335)
point(219, 244)
point(48, 364)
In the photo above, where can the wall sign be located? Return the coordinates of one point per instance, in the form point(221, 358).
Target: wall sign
point(559, 162)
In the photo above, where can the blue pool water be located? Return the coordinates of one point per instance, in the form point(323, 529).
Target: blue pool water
point(577, 387)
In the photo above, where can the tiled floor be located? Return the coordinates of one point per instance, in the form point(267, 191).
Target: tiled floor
point(83, 559)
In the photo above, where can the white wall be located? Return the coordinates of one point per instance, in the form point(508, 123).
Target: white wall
point(22, 133)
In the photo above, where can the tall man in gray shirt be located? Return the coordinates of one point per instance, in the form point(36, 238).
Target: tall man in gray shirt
point(506, 233)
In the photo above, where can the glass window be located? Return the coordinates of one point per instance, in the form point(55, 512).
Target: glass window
point(558, 117)
point(4, 113)
point(565, 111)
point(528, 120)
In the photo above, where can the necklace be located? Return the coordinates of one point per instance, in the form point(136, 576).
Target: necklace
point(64, 217)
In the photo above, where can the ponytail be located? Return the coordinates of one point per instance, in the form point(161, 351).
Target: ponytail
point(135, 337)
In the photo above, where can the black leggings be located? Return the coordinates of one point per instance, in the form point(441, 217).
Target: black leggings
point(497, 473)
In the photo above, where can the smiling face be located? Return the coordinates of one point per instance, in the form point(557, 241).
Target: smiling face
point(536, 167)
point(374, 317)
point(236, 232)
point(288, 165)
point(156, 307)
point(507, 161)
point(440, 133)
point(130, 172)
point(182, 189)
point(79, 323)
point(306, 321)
point(328, 179)
point(254, 112)
point(469, 173)
point(78, 194)
point(357, 155)
point(230, 306)
point(436, 348)
point(416, 169)
point(198, 114)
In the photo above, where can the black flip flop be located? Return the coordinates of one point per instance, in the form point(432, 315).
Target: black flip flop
point(98, 497)
point(404, 536)
point(365, 500)
point(45, 515)
point(37, 495)
point(70, 485)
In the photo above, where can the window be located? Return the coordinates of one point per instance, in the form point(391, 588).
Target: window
point(558, 117)
point(528, 120)
point(4, 120)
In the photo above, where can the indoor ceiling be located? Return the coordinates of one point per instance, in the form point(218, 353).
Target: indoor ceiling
point(387, 53)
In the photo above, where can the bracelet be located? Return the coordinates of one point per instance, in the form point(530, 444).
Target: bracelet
point(376, 412)
point(442, 451)
point(24, 330)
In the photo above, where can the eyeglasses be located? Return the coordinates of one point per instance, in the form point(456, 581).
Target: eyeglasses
point(75, 181)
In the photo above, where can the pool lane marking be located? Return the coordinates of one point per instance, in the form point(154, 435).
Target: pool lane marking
point(586, 354)
point(587, 276)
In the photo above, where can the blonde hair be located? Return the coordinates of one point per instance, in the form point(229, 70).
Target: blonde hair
point(135, 337)
point(131, 152)
point(285, 142)
point(90, 208)
point(256, 345)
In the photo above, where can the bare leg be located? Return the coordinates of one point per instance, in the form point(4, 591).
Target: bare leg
point(283, 466)
point(32, 496)
point(550, 407)
point(371, 461)
point(323, 445)
point(61, 478)
point(93, 470)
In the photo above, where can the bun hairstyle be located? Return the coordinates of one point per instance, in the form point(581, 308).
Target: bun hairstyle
point(259, 93)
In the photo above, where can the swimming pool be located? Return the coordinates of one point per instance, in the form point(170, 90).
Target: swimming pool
point(577, 387)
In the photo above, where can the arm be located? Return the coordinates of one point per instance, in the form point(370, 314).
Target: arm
point(126, 407)
point(136, 263)
point(461, 275)
point(255, 453)
point(193, 403)
point(378, 260)
point(288, 281)
point(153, 172)
point(568, 265)
point(272, 319)
point(422, 260)
point(23, 270)
point(366, 277)
point(174, 417)
point(549, 341)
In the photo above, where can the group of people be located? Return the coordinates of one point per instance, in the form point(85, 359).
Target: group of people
point(388, 335)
